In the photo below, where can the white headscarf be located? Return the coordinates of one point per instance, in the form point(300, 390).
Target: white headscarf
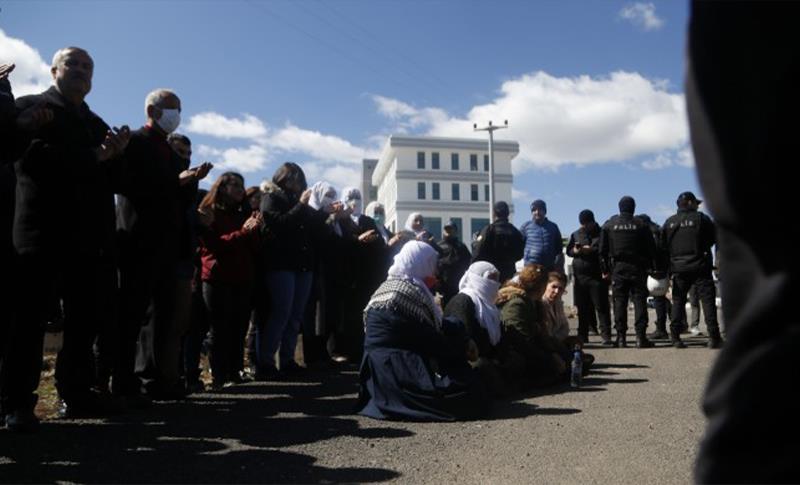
point(370, 211)
point(415, 262)
point(322, 195)
point(483, 291)
point(351, 197)
point(410, 223)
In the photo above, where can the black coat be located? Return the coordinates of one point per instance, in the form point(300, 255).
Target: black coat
point(688, 237)
point(586, 265)
point(462, 308)
point(453, 262)
point(501, 244)
point(64, 195)
point(627, 245)
point(291, 232)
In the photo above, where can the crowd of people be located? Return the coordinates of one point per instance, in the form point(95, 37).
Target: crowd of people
point(106, 230)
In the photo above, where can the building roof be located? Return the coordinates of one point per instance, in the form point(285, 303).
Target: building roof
point(435, 142)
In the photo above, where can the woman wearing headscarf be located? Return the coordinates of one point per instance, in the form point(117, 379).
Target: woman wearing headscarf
point(294, 218)
point(415, 361)
point(554, 323)
point(414, 228)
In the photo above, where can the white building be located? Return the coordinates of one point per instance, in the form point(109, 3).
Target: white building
point(442, 178)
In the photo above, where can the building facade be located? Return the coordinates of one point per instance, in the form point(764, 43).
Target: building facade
point(442, 178)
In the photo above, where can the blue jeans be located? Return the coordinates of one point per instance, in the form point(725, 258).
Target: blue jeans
point(288, 293)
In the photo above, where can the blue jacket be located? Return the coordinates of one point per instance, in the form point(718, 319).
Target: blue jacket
point(543, 244)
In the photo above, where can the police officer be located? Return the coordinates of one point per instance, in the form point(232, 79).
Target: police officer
point(661, 303)
point(591, 290)
point(628, 252)
point(500, 243)
point(688, 236)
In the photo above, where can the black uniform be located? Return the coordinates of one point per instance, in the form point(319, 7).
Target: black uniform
point(501, 244)
point(453, 262)
point(689, 236)
point(591, 290)
point(661, 304)
point(627, 251)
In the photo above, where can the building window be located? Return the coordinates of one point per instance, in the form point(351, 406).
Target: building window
point(486, 163)
point(420, 190)
point(473, 189)
point(435, 160)
point(454, 161)
point(486, 193)
point(373, 193)
point(435, 191)
point(473, 162)
point(420, 159)
point(478, 224)
point(434, 226)
point(456, 192)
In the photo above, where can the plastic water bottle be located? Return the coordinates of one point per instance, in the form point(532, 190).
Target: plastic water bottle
point(576, 377)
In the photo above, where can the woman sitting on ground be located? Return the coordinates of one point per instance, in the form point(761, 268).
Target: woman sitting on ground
point(555, 326)
point(415, 362)
point(527, 360)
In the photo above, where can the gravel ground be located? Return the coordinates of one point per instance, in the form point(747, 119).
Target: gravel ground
point(637, 420)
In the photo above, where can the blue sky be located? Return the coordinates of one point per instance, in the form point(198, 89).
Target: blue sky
point(593, 91)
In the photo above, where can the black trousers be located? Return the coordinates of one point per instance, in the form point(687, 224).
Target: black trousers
point(628, 281)
point(82, 293)
point(742, 103)
point(229, 313)
point(591, 299)
point(706, 293)
point(663, 308)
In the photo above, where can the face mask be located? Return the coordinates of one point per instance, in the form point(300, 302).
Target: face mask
point(355, 205)
point(379, 219)
point(170, 119)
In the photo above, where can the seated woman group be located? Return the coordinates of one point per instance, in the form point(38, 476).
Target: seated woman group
point(424, 364)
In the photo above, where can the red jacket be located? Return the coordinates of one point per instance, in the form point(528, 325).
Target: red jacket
point(227, 251)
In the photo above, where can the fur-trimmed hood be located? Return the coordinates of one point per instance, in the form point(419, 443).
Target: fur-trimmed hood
point(509, 292)
point(270, 187)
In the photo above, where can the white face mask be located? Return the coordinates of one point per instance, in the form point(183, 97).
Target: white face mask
point(170, 119)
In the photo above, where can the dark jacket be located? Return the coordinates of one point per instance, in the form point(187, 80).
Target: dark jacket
point(152, 206)
point(290, 232)
point(64, 196)
point(462, 308)
point(453, 262)
point(689, 236)
point(227, 251)
point(586, 264)
point(627, 245)
point(501, 244)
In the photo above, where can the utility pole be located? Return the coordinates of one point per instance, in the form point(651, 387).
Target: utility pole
point(490, 128)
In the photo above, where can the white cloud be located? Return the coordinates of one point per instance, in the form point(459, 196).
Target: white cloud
point(642, 15)
point(32, 73)
point(337, 174)
point(518, 194)
point(319, 146)
point(219, 126)
point(407, 117)
point(682, 157)
point(574, 120)
point(248, 159)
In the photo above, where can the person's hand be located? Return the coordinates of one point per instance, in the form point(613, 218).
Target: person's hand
point(114, 144)
point(368, 236)
point(397, 238)
point(335, 208)
point(205, 216)
point(201, 171)
point(5, 70)
point(252, 223)
point(472, 351)
point(35, 117)
point(305, 196)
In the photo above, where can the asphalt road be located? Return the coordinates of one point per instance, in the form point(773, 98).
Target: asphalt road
point(637, 419)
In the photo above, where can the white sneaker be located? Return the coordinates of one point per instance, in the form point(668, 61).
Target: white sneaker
point(695, 331)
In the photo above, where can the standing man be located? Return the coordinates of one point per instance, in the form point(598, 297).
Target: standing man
point(63, 229)
point(543, 244)
point(591, 289)
point(155, 237)
point(689, 236)
point(661, 303)
point(500, 243)
point(628, 252)
point(453, 262)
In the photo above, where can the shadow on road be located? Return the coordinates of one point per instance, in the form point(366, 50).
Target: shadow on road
point(235, 436)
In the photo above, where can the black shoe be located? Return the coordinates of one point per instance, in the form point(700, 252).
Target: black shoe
point(677, 342)
point(22, 421)
point(622, 341)
point(643, 343)
point(291, 368)
point(173, 393)
point(606, 340)
point(584, 339)
point(659, 334)
point(137, 401)
point(90, 405)
point(715, 341)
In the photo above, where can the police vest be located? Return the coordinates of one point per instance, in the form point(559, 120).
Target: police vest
point(683, 235)
point(626, 240)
